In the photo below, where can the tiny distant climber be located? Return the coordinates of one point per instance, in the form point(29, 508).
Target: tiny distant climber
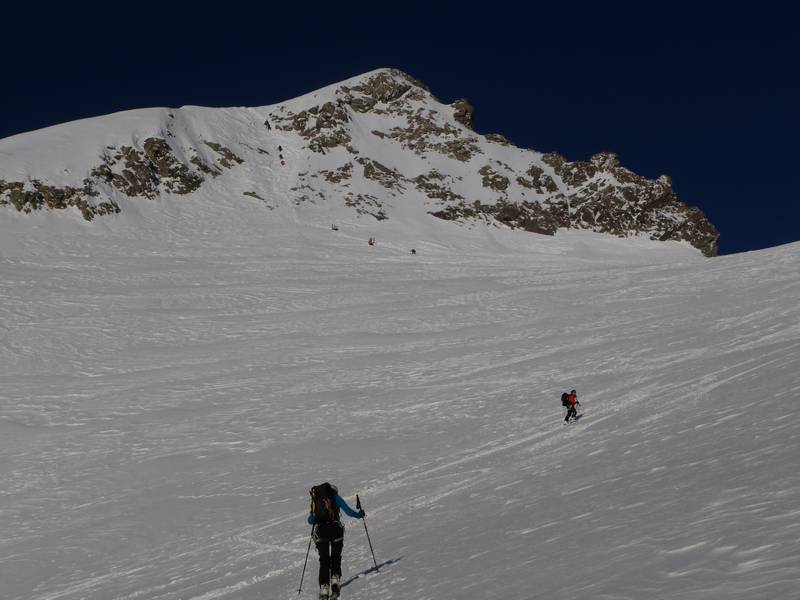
point(371, 241)
point(413, 251)
point(570, 401)
point(328, 535)
point(267, 125)
point(334, 227)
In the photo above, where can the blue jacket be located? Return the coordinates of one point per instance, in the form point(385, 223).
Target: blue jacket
point(340, 504)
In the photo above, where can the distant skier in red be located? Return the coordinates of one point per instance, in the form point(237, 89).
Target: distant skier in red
point(572, 402)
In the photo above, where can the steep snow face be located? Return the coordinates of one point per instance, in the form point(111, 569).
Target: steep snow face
point(378, 146)
point(173, 380)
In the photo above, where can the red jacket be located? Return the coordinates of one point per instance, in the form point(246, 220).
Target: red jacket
point(572, 399)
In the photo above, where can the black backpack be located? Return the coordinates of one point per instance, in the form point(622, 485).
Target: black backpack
point(565, 399)
point(323, 505)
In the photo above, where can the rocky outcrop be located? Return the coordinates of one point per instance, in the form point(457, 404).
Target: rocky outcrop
point(600, 195)
point(339, 175)
point(530, 216)
point(229, 159)
point(425, 133)
point(463, 112)
point(35, 195)
point(388, 178)
point(324, 127)
point(498, 139)
point(365, 204)
point(605, 196)
point(537, 180)
point(492, 179)
point(384, 87)
point(437, 186)
point(148, 171)
point(131, 172)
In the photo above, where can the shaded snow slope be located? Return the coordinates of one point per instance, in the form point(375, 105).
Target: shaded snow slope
point(173, 381)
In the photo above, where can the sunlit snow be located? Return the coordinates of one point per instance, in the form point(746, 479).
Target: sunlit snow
point(173, 380)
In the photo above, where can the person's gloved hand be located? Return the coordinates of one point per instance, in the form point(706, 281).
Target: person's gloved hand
point(362, 514)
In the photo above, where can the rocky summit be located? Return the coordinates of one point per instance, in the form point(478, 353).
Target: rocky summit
point(377, 146)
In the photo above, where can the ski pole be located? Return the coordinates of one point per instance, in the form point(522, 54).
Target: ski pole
point(311, 537)
point(364, 518)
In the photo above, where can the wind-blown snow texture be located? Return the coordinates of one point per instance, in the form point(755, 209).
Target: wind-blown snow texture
point(174, 379)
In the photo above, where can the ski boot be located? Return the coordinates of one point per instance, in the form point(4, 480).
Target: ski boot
point(335, 587)
point(324, 592)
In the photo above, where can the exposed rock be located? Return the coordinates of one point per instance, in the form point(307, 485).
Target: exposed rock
point(498, 139)
point(323, 126)
point(422, 132)
point(463, 112)
point(204, 167)
point(145, 172)
point(462, 150)
point(434, 186)
point(605, 161)
point(388, 178)
point(544, 218)
point(229, 159)
point(52, 197)
point(463, 211)
point(365, 204)
point(554, 159)
point(338, 175)
point(539, 181)
point(383, 87)
point(609, 198)
point(493, 180)
point(530, 216)
point(577, 173)
point(697, 230)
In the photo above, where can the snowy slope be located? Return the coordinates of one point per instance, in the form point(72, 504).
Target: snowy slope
point(174, 379)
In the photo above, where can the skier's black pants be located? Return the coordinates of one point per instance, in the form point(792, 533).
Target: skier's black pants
point(329, 541)
point(571, 412)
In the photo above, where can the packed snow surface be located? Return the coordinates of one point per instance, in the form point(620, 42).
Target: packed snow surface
point(173, 381)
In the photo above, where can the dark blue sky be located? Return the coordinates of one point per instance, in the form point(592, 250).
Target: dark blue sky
point(705, 92)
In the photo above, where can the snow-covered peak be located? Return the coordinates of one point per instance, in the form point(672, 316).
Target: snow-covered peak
point(378, 145)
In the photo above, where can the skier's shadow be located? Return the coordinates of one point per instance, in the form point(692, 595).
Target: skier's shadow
point(372, 570)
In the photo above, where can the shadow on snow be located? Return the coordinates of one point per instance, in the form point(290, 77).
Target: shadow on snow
point(372, 570)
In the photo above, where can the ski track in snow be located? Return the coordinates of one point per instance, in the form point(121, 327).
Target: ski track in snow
point(167, 400)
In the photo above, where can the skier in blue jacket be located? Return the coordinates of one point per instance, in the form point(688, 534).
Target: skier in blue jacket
point(326, 504)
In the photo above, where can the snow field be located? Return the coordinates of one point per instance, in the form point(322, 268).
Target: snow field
point(174, 380)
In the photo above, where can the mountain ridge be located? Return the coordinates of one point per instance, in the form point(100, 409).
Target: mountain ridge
point(379, 145)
